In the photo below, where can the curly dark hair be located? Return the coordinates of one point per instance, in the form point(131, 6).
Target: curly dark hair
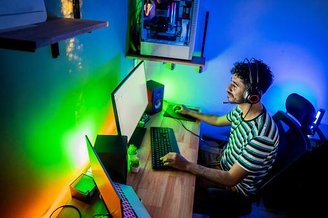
point(242, 70)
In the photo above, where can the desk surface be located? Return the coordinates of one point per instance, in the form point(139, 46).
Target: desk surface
point(168, 193)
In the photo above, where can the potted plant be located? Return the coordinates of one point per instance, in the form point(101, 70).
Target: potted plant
point(134, 164)
point(132, 150)
point(133, 158)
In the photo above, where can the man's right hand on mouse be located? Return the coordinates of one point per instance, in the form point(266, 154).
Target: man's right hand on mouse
point(182, 109)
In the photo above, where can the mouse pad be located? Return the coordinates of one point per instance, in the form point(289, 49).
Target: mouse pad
point(170, 113)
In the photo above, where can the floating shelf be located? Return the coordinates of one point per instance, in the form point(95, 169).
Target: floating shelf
point(195, 61)
point(31, 37)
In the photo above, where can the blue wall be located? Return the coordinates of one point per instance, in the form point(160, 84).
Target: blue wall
point(48, 105)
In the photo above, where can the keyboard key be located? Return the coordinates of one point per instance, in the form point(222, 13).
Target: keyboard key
point(128, 211)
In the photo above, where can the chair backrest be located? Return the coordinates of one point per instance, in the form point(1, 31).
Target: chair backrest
point(293, 143)
point(293, 131)
point(303, 110)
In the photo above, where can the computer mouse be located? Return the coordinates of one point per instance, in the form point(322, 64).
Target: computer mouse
point(177, 108)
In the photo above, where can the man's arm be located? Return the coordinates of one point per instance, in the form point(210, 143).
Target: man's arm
point(226, 178)
point(208, 118)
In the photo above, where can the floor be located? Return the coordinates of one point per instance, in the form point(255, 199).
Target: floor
point(257, 212)
point(260, 211)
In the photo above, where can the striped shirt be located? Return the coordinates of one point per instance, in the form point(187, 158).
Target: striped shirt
point(252, 145)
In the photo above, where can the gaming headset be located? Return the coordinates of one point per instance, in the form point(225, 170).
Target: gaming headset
point(253, 94)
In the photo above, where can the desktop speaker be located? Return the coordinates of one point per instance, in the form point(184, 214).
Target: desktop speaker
point(155, 92)
point(112, 151)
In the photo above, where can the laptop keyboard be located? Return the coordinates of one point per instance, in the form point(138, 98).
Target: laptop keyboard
point(163, 141)
point(126, 206)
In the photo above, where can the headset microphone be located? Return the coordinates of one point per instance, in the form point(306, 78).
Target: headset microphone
point(229, 102)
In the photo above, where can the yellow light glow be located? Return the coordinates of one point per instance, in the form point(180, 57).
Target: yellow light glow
point(67, 8)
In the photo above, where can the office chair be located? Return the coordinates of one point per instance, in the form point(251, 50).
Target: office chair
point(301, 114)
point(294, 152)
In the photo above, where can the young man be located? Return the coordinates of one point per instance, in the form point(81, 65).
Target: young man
point(251, 148)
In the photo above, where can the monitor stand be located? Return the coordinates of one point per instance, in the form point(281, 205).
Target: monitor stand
point(137, 136)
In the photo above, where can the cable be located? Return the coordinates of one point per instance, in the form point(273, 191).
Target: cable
point(67, 206)
point(249, 109)
point(101, 215)
point(200, 138)
point(186, 127)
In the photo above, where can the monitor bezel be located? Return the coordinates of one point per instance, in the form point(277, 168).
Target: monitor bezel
point(114, 103)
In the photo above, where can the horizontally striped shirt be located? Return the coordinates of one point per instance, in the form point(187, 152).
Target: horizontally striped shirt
point(253, 145)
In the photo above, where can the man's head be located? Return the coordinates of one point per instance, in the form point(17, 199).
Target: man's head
point(250, 80)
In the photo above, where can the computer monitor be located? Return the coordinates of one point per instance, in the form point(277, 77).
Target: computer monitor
point(130, 101)
point(104, 183)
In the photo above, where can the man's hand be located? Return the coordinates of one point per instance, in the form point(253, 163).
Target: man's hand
point(182, 109)
point(175, 160)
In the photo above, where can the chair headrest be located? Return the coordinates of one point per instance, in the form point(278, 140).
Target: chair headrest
point(302, 109)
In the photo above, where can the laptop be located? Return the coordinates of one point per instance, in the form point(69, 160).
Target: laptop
point(121, 200)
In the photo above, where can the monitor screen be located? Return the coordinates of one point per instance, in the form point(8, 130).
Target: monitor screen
point(104, 183)
point(130, 101)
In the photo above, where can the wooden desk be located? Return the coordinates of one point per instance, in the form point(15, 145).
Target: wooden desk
point(168, 193)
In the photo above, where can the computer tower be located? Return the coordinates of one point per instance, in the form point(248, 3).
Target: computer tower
point(169, 30)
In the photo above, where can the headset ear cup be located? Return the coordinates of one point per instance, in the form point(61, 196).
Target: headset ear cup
point(253, 99)
point(252, 95)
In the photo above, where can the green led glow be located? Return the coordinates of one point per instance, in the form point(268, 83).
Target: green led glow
point(48, 121)
point(133, 158)
point(84, 184)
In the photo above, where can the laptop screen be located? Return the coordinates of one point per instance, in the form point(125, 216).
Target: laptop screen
point(104, 183)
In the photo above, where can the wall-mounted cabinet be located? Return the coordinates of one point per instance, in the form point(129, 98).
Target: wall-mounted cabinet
point(164, 31)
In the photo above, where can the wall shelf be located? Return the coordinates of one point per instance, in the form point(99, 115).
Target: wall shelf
point(195, 61)
point(31, 37)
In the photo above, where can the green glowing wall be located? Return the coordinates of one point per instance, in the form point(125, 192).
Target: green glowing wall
point(48, 105)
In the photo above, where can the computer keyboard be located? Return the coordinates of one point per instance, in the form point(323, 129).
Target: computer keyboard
point(163, 141)
point(127, 209)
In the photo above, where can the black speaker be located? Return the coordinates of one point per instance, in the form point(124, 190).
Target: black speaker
point(112, 151)
point(155, 92)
